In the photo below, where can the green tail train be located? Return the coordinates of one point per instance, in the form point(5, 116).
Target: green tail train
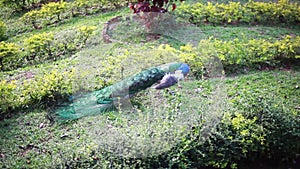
point(100, 101)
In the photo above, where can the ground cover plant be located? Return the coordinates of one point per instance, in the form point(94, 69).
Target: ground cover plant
point(241, 112)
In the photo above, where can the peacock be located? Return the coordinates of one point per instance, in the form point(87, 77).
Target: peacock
point(100, 101)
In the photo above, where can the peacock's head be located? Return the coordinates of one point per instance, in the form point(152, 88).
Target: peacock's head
point(184, 68)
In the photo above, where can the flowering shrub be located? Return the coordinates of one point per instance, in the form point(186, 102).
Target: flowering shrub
point(9, 56)
point(57, 11)
point(7, 97)
point(38, 45)
point(241, 53)
point(33, 18)
point(45, 15)
point(53, 11)
point(33, 91)
point(235, 12)
point(43, 47)
point(153, 6)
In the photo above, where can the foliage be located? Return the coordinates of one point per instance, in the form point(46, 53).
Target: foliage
point(45, 15)
point(2, 30)
point(241, 53)
point(82, 7)
point(235, 12)
point(38, 45)
point(7, 98)
point(230, 142)
point(79, 5)
point(160, 6)
point(23, 5)
point(9, 55)
point(41, 88)
point(148, 11)
point(279, 123)
point(47, 87)
point(6, 13)
point(69, 41)
point(65, 43)
point(191, 57)
point(15, 4)
point(256, 50)
point(85, 32)
point(32, 17)
point(54, 10)
point(42, 47)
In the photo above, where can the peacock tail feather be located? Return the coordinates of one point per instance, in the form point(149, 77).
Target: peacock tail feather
point(100, 101)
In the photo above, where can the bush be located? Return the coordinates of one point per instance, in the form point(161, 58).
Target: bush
point(10, 56)
point(32, 17)
point(68, 42)
point(47, 46)
point(38, 47)
point(232, 140)
point(42, 47)
point(8, 99)
point(234, 12)
point(23, 5)
point(83, 7)
point(39, 90)
point(160, 6)
point(53, 11)
point(65, 43)
point(241, 53)
point(79, 5)
point(272, 100)
point(47, 88)
point(6, 13)
point(45, 15)
point(85, 32)
point(15, 4)
point(256, 50)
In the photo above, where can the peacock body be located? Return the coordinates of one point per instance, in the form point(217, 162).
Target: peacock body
point(101, 101)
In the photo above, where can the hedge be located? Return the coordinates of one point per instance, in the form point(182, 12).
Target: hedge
point(9, 55)
point(38, 45)
point(241, 53)
point(48, 14)
point(54, 12)
point(235, 12)
point(33, 4)
point(42, 47)
point(22, 5)
point(34, 91)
